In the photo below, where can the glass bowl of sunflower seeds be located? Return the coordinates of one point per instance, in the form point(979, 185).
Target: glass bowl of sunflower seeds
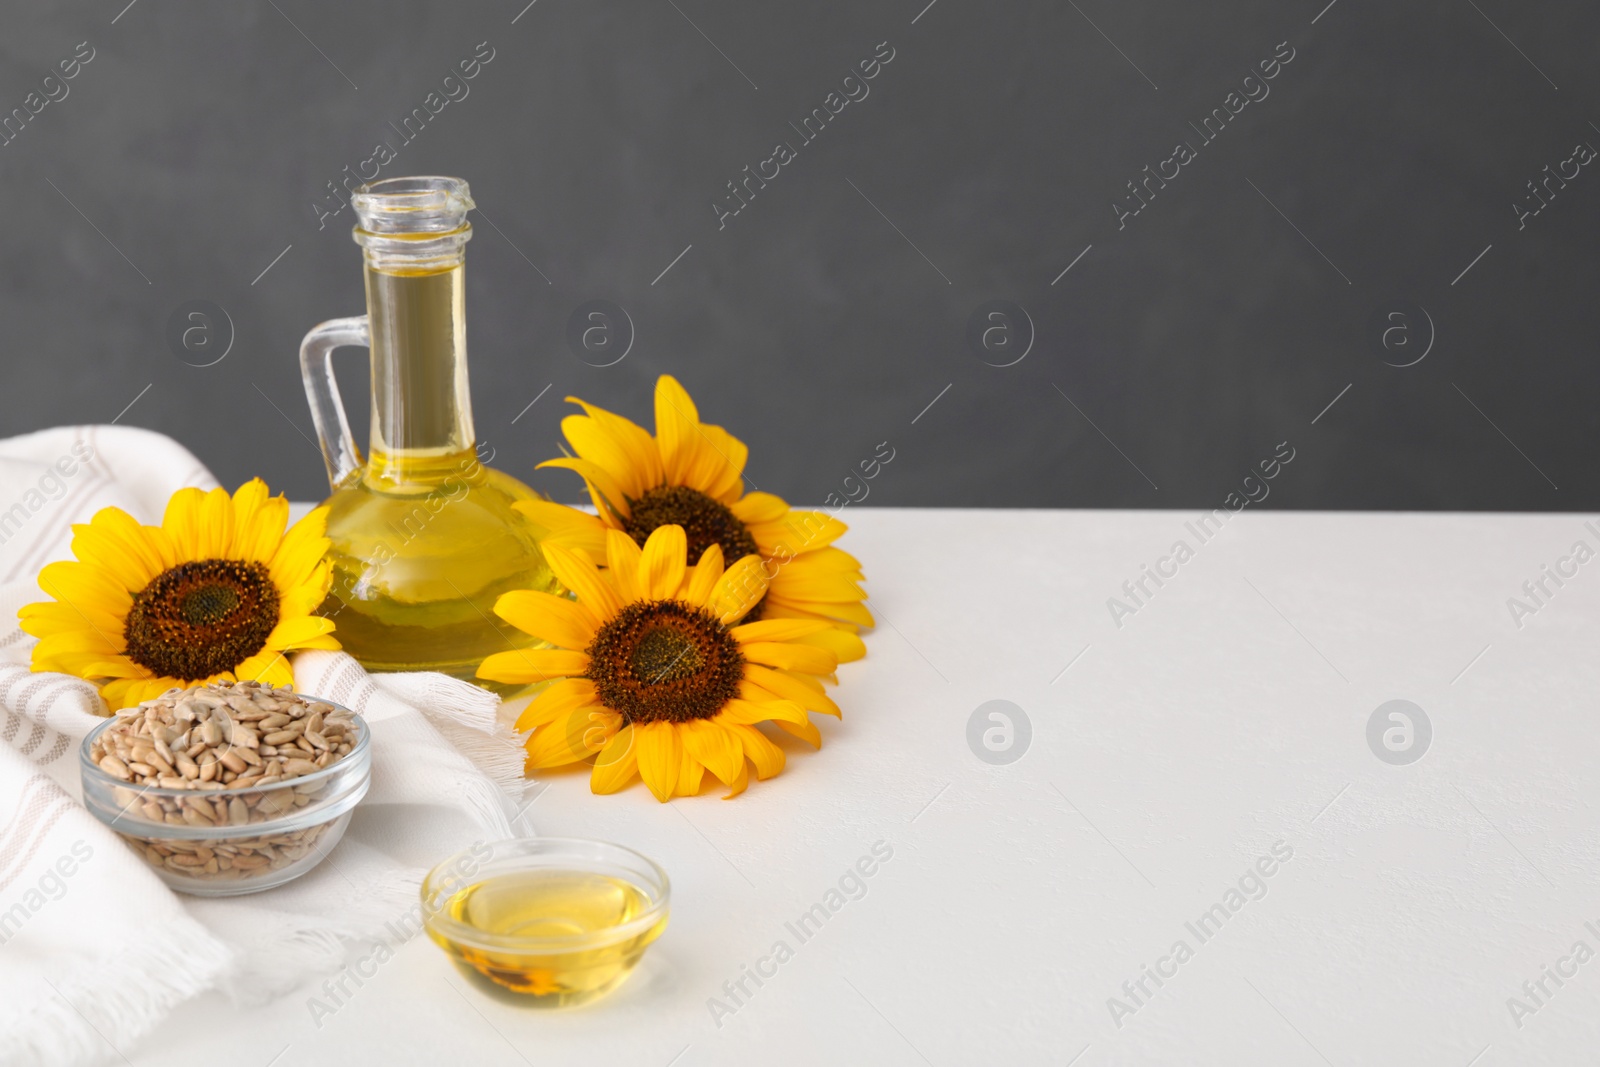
point(228, 788)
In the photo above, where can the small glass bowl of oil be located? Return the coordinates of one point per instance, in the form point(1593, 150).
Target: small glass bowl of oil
point(560, 921)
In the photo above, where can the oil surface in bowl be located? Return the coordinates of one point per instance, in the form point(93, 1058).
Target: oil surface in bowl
point(576, 907)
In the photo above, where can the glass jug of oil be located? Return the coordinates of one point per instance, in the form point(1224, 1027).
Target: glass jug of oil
point(424, 538)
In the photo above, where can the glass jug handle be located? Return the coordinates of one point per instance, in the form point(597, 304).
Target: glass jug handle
point(339, 449)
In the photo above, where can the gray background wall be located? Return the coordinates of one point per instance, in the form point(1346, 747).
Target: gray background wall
point(1176, 353)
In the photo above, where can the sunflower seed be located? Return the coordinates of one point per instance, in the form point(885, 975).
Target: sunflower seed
point(229, 740)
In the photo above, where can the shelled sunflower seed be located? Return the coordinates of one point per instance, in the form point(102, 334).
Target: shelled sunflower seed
point(223, 736)
point(236, 748)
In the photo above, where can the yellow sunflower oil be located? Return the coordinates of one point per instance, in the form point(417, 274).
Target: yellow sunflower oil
point(551, 935)
point(423, 535)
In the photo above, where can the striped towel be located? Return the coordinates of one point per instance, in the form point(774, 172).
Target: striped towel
point(94, 950)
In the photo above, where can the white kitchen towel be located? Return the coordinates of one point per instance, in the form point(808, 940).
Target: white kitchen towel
point(94, 950)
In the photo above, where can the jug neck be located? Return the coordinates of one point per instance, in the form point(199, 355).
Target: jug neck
point(413, 233)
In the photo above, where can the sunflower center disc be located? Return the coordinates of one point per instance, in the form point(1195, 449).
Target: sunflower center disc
point(705, 522)
point(201, 618)
point(208, 604)
point(665, 661)
point(665, 654)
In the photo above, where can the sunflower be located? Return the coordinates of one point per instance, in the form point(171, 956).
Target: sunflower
point(690, 474)
point(217, 592)
point(654, 674)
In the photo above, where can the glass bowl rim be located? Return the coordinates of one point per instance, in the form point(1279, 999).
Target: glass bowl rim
point(433, 918)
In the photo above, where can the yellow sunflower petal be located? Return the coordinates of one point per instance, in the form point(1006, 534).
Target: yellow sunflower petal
point(741, 784)
point(704, 577)
point(661, 565)
point(115, 694)
point(847, 647)
point(777, 630)
point(755, 508)
point(845, 614)
point(294, 633)
point(660, 754)
point(749, 712)
point(92, 665)
point(562, 622)
point(579, 575)
point(571, 738)
point(85, 587)
point(714, 745)
point(132, 692)
point(717, 464)
point(301, 550)
point(820, 588)
point(259, 521)
point(214, 533)
point(754, 693)
point(99, 643)
point(597, 445)
point(826, 574)
point(738, 590)
point(807, 731)
point(328, 641)
point(691, 779)
point(182, 521)
point(118, 545)
point(616, 764)
point(796, 532)
point(643, 455)
point(791, 657)
point(677, 430)
point(247, 500)
point(807, 692)
point(525, 665)
point(49, 617)
point(571, 527)
point(302, 599)
point(623, 556)
point(767, 756)
point(603, 489)
point(559, 698)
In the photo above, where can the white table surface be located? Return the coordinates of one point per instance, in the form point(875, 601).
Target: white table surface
point(1228, 714)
